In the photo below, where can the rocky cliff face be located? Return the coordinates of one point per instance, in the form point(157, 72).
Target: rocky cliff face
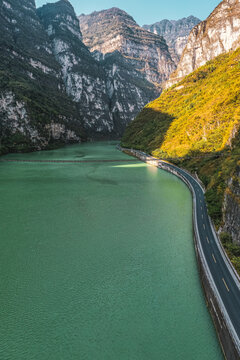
point(114, 30)
point(128, 91)
point(218, 34)
point(108, 91)
point(52, 89)
point(83, 76)
point(231, 209)
point(32, 97)
point(175, 33)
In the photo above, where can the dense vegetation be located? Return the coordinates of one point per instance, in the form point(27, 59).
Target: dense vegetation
point(196, 125)
point(200, 114)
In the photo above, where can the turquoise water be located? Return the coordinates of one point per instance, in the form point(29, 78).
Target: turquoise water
point(97, 262)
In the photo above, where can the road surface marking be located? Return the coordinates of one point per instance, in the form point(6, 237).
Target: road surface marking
point(204, 226)
point(200, 201)
point(225, 284)
point(201, 207)
point(207, 240)
point(214, 258)
point(202, 216)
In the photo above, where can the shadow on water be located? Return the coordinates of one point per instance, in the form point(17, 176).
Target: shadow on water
point(103, 181)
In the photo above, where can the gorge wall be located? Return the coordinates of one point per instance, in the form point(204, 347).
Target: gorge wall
point(54, 89)
point(231, 206)
point(114, 30)
point(135, 61)
point(34, 108)
point(218, 34)
point(83, 77)
point(175, 32)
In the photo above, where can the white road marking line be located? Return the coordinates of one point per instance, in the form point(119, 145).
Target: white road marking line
point(214, 258)
point(207, 240)
point(225, 284)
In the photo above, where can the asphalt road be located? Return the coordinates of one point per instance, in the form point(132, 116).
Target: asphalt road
point(225, 281)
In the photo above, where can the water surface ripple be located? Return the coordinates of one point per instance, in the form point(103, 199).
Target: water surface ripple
point(97, 261)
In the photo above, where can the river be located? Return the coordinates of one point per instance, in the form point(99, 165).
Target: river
point(97, 261)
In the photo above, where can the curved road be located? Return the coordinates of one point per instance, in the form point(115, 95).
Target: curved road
point(226, 281)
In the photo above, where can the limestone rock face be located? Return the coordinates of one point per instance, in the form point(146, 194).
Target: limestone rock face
point(218, 34)
point(128, 90)
point(114, 30)
point(231, 209)
point(107, 90)
point(83, 76)
point(175, 32)
point(32, 95)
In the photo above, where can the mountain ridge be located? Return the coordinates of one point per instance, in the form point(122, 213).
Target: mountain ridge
point(218, 34)
point(175, 32)
point(113, 29)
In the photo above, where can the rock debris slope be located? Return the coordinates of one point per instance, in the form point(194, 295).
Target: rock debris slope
point(175, 32)
point(218, 34)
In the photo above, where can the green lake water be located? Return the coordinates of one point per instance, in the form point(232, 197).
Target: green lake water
point(97, 261)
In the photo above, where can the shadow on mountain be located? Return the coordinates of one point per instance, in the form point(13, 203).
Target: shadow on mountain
point(147, 132)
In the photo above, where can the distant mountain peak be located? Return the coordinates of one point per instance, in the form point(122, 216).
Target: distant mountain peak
point(112, 13)
point(175, 32)
point(114, 30)
point(218, 34)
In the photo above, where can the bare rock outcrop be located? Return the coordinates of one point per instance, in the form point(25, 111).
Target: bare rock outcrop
point(32, 94)
point(114, 30)
point(218, 34)
point(231, 211)
point(175, 32)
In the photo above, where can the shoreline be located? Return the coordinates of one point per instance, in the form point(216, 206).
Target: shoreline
point(228, 338)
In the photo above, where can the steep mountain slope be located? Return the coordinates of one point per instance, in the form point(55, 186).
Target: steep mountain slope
point(34, 109)
point(197, 125)
point(52, 90)
point(175, 32)
point(218, 34)
point(83, 77)
point(114, 30)
point(128, 91)
point(106, 91)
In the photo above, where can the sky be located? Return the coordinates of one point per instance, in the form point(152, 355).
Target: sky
point(146, 11)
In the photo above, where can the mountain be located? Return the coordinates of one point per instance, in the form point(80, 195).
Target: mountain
point(128, 90)
point(52, 88)
point(111, 30)
point(175, 32)
point(108, 92)
point(84, 78)
point(218, 34)
point(196, 124)
point(35, 111)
